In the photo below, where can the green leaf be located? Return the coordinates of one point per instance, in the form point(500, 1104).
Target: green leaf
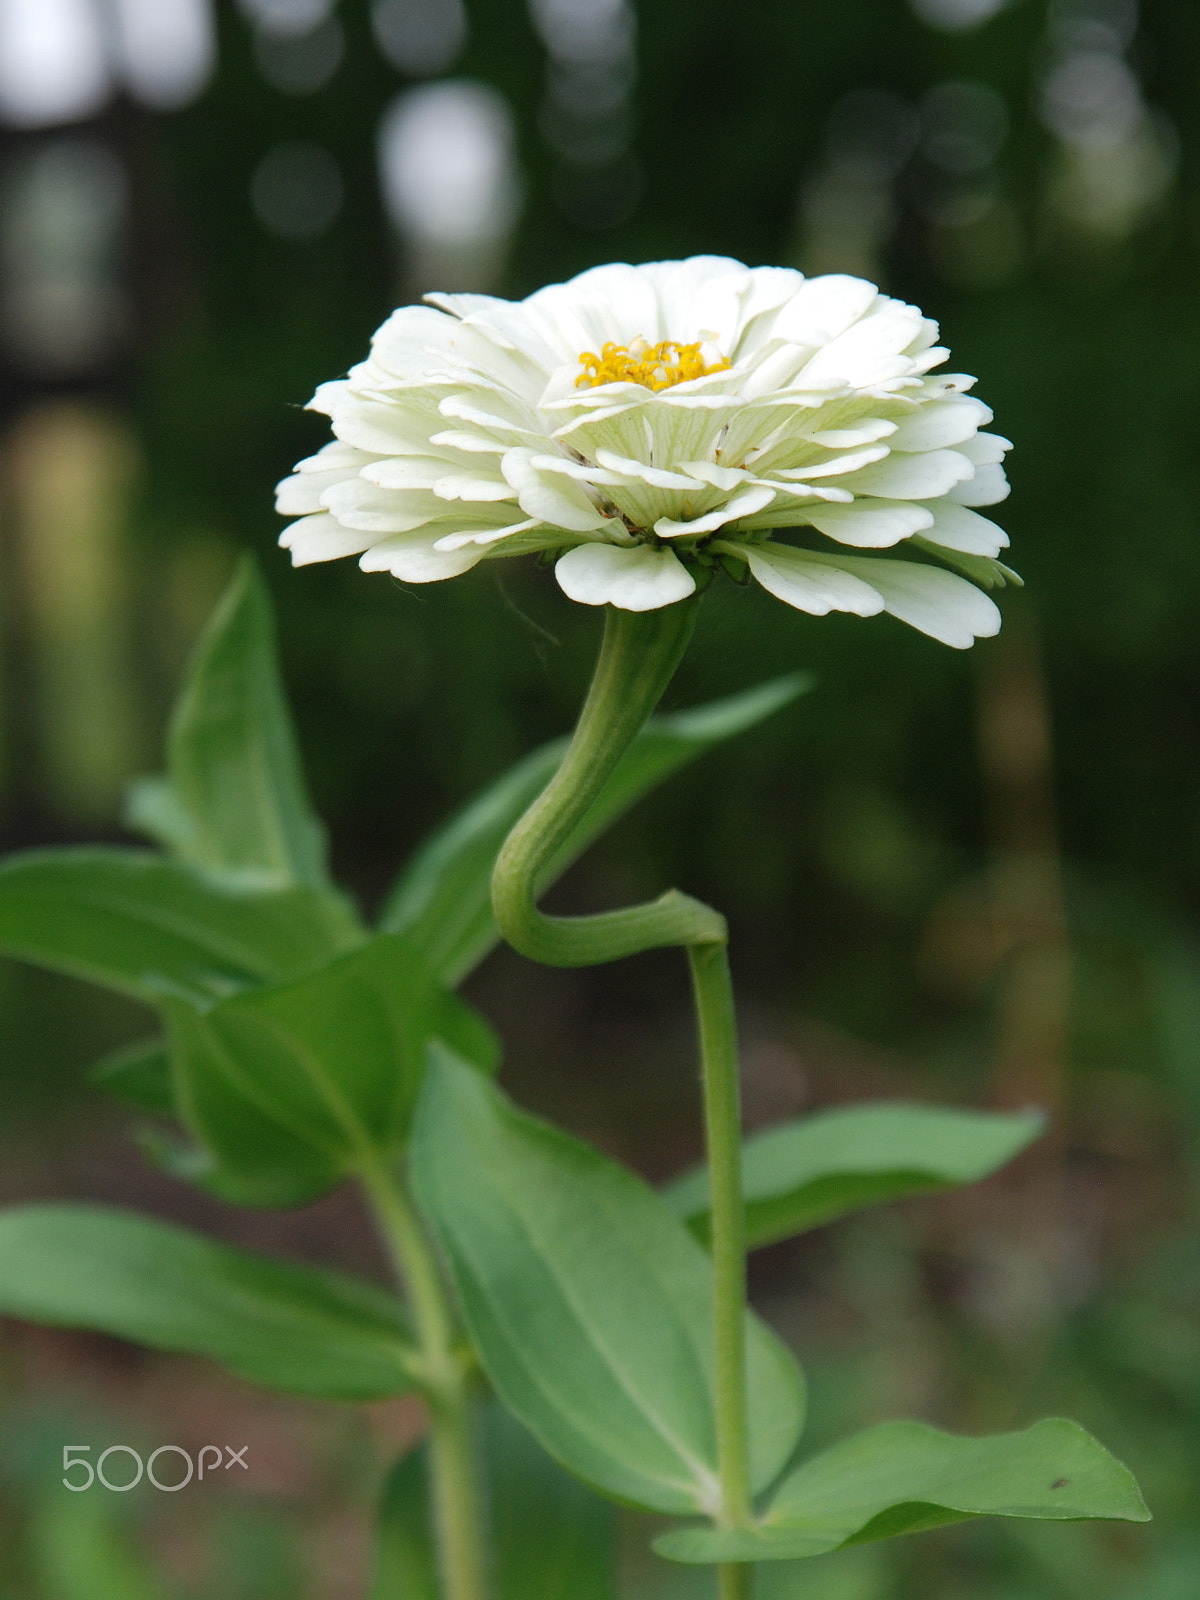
point(589, 1304)
point(234, 802)
point(818, 1168)
point(80, 1552)
point(294, 1328)
point(444, 895)
point(552, 1539)
point(140, 1075)
point(291, 1087)
point(905, 1477)
point(142, 925)
point(243, 1152)
point(405, 1561)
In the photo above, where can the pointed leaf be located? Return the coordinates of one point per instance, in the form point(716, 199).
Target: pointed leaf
point(145, 926)
point(244, 1153)
point(294, 1328)
point(904, 1477)
point(140, 1075)
point(290, 1087)
point(818, 1168)
point(444, 895)
point(234, 801)
point(589, 1304)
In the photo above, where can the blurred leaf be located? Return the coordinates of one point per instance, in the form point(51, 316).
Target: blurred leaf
point(817, 1168)
point(140, 1075)
point(81, 1553)
point(234, 801)
point(905, 1477)
point(300, 1329)
point(589, 1304)
point(444, 894)
point(291, 1087)
point(405, 1562)
point(552, 1539)
point(142, 925)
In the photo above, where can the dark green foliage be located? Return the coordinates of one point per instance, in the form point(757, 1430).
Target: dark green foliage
point(288, 1327)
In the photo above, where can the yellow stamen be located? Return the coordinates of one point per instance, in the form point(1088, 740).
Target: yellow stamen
point(654, 366)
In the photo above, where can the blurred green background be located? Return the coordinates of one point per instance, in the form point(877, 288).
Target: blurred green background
point(968, 878)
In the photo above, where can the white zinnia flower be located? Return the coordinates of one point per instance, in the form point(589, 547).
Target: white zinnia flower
point(651, 423)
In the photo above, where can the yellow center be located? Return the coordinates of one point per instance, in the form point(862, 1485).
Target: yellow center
point(654, 366)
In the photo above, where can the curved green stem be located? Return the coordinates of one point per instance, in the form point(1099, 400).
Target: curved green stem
point(457, 1505)
point(637, 659)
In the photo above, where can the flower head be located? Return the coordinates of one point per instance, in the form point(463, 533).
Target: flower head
point(651, 425)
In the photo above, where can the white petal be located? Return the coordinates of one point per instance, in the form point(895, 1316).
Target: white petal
point(473, 443)
point(938, 603)
point(872, 524)
point(867, 353)
point(987, 488)
point(725, 478)
point(378, 425)
point(403, 343)
point(508, 324)
point(839, 464)
point(773, 367)
point(807, 581)
point(956, 528)
point(359, 504)
point(947, 383)
point(405, 472)
point(822, 308)
point(583, 471)
point(469, 486)
point(415, 559)
point(301, 493)
point(632, 578)
point(699, 296)
point(932, 357)
point(869, 431)
point(916, 477)
point(793, 494)
point(741, 505)
point(549, 496)
point(986, 449)
point(321, 538)
point(486, 536)
point(463, 409)
point(656, 477)
point(335, 454)
point(942, 422)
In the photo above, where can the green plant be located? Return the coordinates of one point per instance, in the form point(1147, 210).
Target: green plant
point(301, 1048)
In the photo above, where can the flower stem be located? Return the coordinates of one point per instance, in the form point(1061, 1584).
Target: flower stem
point(457, 1505)
point(735, 1582)
point(638, 657)
point(713, 993)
